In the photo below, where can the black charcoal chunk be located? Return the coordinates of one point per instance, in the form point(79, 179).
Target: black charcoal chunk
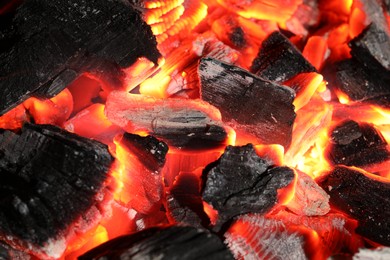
point(357, 144)
point(50, 43)
point(248, 103)
point(362, 198)
point(279, 60)
point(164, 243)
point(49, 179)
point(241, 182)
point(149, 150)
point(362, 84)
point(372, 48)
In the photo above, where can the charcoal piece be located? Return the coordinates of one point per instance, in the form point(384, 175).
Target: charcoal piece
point(372, 47)
point(248, 103)
point(50, 179)
point(149, 150)
point(237, 37)
point(241, 182)
point(357, 144)
point(372, 254)
point(53, 42)
point(174, 242)
point(279, 60)
point(184, 201)
point(363, 198)
point(361, 84)
point(179, 122)
point(7, 252)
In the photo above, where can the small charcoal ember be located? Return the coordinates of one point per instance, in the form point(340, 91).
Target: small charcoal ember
point(248, 103)
point(142, 159)
point(356, 144)
point(279, 60)
point(50, 43)
point(309, 198)
point(180, 122)
point(256, 237)
point(349, 188)
point(184, 201)
point(54, 185)
point(362, 84)
point(241, 182)
point(174, 242)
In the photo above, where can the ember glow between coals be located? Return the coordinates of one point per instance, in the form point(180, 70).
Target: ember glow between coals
point(232, 31)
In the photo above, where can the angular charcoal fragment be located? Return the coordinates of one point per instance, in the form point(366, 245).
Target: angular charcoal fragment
point(180, 122)
point(372, 254)
point(248, 103)
point(362, 84)
point(241, 182)
point(279, 60)
point(53, 42)
point(52, 184)
point(362, 197)
point(184, 201)
point(357, 144)
point(372, 47)
point(148, 149)
point(174, 242)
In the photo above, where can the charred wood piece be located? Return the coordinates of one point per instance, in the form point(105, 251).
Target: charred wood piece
point(372, 47)
point(149, 150)
point(357, 144)
point(50, 179)
point(179, 122)
point(49, 44)
point(362, 84)
point(348, 189)
point(241, 182)
point(174, 242)
point(248, 103)
point(279, 60)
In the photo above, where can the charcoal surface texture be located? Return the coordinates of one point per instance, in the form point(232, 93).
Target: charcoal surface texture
point(357, 144)
point(48, 44)
point(348, 189)
point(49, 179)
point(184, 201)
point(363, 84)
point(174, 242)
point(241, 182)
point(248, 103)
point(149, 150)
point(279, 60)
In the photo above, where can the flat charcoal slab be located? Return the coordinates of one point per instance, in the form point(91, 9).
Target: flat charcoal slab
point(279, 60)
point(48, 44)
point(241, 182)
point(49, 179)
point(179, 122)
point(357, 144)
point(165, 243)
point(363, 84)
point(247, 102)
point(363, 198)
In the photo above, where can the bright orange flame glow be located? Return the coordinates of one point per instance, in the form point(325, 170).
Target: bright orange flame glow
point(211, 212)
point(286, 194)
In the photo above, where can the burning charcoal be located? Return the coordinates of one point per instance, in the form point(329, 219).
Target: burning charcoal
point(181, 122)
point(279, 60)
point(56, 41)
point(309, 198)
point(54, 184)
point(356, 144)
point(372, 47)
point(7, 252)
point(363, 197)
point(174, 242)
point(184, 201)
point(241, 182)
point(361, 84)
point(381, 253)
point(255, 237)
point(148, 149)
point(248, 103)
